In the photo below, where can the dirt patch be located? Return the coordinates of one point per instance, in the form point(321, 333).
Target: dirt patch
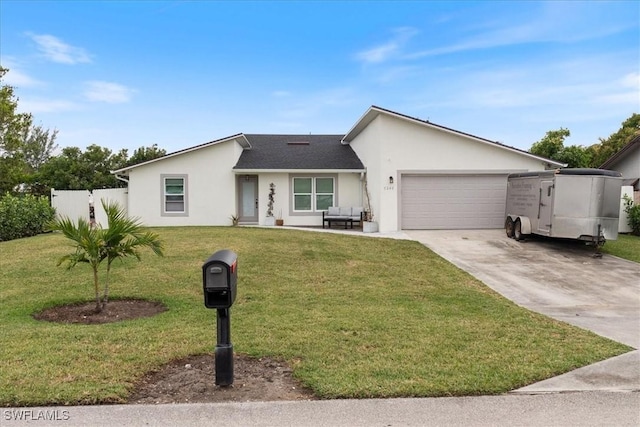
point(115, 311)
point(192, 380)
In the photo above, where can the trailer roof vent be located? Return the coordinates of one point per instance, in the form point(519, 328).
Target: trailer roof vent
point(298, 143)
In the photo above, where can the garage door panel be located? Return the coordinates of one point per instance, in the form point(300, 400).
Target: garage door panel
point(453, 201)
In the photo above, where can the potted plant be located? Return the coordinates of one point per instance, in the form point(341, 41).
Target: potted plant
point(368, 223)
point(279, 220)
point(270, 220)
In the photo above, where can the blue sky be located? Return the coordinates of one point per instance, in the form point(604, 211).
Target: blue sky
point(126, 74)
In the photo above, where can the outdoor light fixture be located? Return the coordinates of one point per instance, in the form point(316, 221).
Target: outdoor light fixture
point(390, 180)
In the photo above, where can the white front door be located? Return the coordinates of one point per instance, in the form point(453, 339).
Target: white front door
point(248, 198)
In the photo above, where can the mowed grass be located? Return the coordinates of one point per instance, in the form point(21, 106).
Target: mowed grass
point(627, 246)
point(354, 316)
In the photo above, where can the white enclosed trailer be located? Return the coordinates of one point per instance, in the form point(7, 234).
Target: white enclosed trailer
point(581, 204)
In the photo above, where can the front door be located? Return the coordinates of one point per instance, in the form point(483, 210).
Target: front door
point(248, 198)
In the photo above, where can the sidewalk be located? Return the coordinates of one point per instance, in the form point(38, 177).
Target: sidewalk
point(571, 409)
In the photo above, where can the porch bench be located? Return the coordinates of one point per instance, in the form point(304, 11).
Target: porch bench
point(342, 215)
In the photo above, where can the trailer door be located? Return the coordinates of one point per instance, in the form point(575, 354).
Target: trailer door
point(546, 201)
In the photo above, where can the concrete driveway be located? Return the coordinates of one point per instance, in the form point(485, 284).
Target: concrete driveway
point(561, 280)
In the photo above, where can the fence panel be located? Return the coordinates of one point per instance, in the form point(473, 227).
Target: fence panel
point(74, 204)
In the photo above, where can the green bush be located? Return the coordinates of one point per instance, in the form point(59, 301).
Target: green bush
point(23, 216)
point(633, 211)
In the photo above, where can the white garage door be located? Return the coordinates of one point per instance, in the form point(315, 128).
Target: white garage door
point(453, 201)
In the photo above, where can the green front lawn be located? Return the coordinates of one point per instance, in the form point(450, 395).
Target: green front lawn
point(354, 316)
point(627, 246)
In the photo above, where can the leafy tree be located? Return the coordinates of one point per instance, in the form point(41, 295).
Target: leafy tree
point(144, 154)
point(12, 123)
point(611, 145)
point(12, 127)
point(123, 237)
point(38, 145)
point(551, 144)
point(552, 147)
point(77, 170)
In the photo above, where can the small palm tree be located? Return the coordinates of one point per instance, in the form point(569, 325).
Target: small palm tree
point(123, 237)
point(89, 248)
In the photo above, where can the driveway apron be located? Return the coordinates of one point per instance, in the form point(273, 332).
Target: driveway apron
point(561, 280)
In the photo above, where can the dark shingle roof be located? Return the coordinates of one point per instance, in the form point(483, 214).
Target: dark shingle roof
point(287, 152)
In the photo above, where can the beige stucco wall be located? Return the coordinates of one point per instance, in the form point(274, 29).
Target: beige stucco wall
point(403, 147)
point(349, 193)
point(211, 195)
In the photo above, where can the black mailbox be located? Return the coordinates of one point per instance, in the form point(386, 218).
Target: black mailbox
point(220, 279)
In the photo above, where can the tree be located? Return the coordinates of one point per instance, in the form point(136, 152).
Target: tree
point(77, 170)
point(144, 154)
point(12, 127)
point(611, 145)
point(12, 123)
point(551, 144)
point(552, 147)
point(123, 237)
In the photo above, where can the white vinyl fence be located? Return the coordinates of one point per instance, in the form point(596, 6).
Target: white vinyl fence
point(74, 204)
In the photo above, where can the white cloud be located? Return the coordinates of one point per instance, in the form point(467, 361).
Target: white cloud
point(47, 105)
point(111, 93)
point(16, 77)
point(387, 50)
point(280, 93)
point(58, 51)
point(557, 22)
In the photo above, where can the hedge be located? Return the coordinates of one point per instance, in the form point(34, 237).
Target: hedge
point(23, 216)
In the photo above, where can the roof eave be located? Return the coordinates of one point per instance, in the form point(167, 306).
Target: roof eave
point(255, 171)
point(622, 152)
point(375, 111)
point(240, 137)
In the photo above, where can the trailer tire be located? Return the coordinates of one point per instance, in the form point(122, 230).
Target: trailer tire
point(508, 227)
point(517, 230)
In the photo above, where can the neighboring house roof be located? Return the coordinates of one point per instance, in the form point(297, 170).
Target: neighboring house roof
point(375, 111)
point(622, 153)
point(240, 139)
point(291, 152)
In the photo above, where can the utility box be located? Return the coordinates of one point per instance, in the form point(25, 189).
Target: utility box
point(582, 204)
point(220, 279)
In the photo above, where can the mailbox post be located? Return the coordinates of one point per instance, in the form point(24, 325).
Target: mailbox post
point(219, 281)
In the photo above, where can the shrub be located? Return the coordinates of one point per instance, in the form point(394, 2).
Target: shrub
point(633, 211)
point(23, 216)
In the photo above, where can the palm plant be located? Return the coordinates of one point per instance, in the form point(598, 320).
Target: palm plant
point(122, 238)
point(89, 248)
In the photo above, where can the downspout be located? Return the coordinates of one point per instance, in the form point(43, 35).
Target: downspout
point(121, 179)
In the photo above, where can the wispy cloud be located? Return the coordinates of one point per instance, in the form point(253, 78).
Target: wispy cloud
point(47, 105)
point(58, 51)
point(385, 51)
point(17, 77)
point(280, 93)
point(556, 22)
point(111, 93)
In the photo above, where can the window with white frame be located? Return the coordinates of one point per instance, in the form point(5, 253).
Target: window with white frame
point(174, 195)
point(312, 194)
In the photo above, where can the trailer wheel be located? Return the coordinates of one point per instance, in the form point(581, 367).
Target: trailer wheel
point(508, 226)
point(517, 230)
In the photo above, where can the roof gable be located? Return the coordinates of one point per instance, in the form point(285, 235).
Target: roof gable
point(375, 111)
point(239, 138)
point(297, 152)
point(623, 152)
